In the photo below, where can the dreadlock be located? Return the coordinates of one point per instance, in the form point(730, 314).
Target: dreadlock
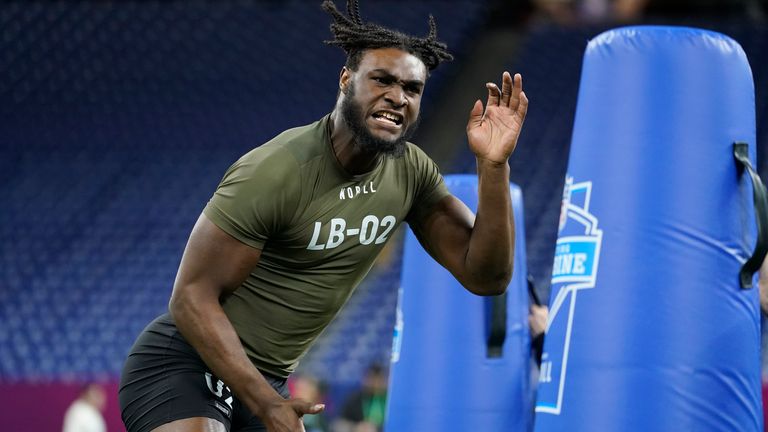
point(354, 37)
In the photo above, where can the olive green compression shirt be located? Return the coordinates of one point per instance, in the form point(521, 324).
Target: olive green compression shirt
point(319, 229)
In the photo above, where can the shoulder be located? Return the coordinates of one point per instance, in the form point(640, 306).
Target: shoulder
point(303, 143)
point(418, 159)
point(269, 160)
point(417, 162)
point(282, 156)
point(428, 184)
point(415, 153)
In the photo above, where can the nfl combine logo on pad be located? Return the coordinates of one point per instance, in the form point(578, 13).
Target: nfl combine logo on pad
point(575, 268)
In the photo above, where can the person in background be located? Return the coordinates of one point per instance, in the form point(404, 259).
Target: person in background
point(364, 410)
point(537, 320)
point(309, 388)
point(762, 285)
point(84, 415)
point(574, 12)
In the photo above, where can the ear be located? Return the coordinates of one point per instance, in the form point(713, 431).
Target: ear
point(344, 77)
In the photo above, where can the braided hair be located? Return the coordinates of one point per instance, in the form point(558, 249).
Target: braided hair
point(354, 37)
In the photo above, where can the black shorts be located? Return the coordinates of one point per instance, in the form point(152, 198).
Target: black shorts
point(164, 379)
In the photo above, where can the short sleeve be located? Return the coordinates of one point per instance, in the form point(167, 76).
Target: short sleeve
point(430, 187)
point(254, 199)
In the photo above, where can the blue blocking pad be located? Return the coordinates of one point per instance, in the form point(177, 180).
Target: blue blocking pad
point(649, 328)
point(443, 376)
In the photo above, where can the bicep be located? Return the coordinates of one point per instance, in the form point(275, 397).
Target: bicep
point(214, 263)
point(444, 231)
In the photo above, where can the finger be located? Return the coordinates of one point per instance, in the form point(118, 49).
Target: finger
point(517, 88)
point(522, 108)
point(303, 407)
point(475, 115)
point(310, 408)
point(506, 88)
point(494, 95)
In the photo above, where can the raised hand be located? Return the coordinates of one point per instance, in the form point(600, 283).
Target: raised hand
point(285, 415)
point(493, 134)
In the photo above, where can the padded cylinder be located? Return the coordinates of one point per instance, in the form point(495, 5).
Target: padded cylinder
point(649, 327)
point(442, 377)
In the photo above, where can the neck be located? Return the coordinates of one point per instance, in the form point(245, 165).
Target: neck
point(349, 154)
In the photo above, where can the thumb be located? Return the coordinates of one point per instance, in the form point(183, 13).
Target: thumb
point(316, 408)
point(303, 407)
point(476, 115)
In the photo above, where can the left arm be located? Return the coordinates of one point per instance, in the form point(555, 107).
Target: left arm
point(479, 250)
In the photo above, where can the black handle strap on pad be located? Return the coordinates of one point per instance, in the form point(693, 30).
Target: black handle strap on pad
point(741, 154)
point(498, 328)
point(532, 290)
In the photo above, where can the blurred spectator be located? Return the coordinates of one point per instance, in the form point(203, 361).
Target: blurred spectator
point(310, 389)
point(537, 320)
point(591, 11)
point(364, 410)
point(762, 284)
point(84, 415)
point(574, 12)
point(685, 9)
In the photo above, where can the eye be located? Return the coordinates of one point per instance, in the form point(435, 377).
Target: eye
point(413, 89)
point(382, 80)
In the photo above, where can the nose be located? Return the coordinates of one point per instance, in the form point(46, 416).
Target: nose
point(396, 97)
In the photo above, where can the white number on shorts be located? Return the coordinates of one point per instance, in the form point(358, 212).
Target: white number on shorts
point(219, 392)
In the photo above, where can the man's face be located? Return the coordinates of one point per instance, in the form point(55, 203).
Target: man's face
point(382, 99)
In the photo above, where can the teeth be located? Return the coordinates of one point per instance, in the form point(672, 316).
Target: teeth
point(391, 117)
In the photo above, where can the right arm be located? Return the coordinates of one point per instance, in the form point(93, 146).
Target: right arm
point(214, 264)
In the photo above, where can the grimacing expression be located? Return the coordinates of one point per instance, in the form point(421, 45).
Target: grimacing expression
point(382, 99)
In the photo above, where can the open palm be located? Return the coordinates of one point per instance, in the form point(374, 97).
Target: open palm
point(493, 134)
